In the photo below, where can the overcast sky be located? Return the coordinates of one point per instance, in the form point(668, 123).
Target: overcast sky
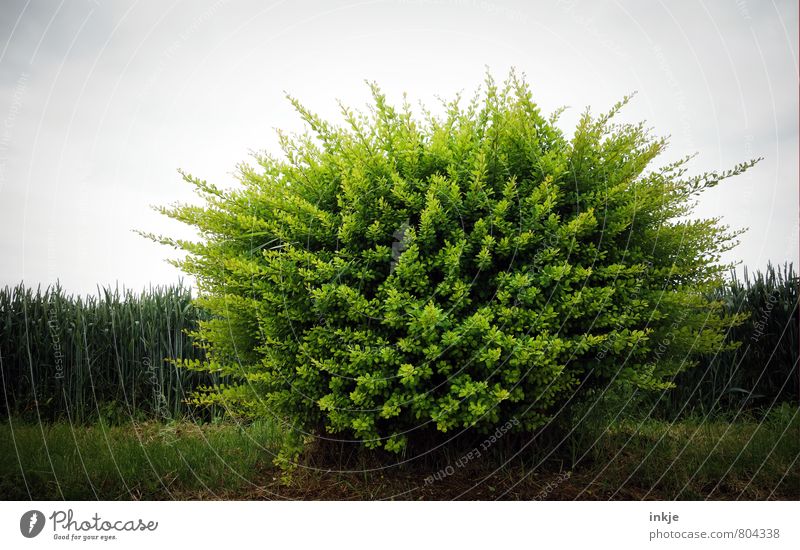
point(101, 102)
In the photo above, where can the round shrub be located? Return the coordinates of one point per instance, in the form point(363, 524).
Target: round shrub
point(398, 277)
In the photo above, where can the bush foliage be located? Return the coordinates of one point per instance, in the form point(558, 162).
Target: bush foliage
point(402, 277)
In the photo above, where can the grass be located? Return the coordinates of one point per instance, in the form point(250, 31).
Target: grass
point(700, 458)
point(137, 461)
point(649, 459)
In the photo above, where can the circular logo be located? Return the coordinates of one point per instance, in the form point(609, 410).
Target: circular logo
point(31, 523)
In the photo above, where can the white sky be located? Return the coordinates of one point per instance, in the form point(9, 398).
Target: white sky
point(101, 102)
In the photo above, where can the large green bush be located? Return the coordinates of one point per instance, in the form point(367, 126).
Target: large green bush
point(397, 277)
